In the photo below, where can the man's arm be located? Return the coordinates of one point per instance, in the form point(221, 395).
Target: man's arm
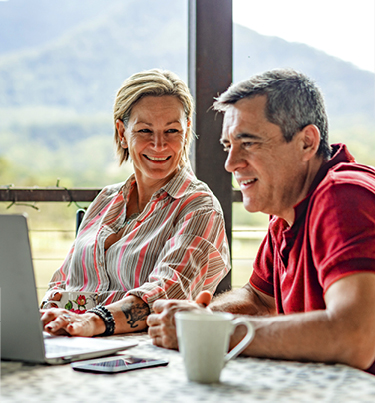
point(344, 332)
point(244, 301)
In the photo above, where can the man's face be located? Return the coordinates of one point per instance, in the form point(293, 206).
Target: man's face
point(269, 170)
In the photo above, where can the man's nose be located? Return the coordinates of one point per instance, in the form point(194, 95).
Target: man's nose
point(234, 161)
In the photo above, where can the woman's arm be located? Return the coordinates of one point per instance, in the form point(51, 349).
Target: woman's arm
point(194, 258)
point(129, 314)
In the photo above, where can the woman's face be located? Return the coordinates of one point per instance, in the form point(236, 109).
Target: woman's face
point(155, 137)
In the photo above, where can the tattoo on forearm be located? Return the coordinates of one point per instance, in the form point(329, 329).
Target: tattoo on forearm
point(135, 312)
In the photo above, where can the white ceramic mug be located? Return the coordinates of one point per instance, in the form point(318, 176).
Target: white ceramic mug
point(76, 301)
point(203, 340)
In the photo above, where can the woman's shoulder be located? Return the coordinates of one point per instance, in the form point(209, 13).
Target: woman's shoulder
point(116, 188)
point(199, 197)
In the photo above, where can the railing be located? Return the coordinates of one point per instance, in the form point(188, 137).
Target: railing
point(49, 194)
point(60, 194)
point(50, 245)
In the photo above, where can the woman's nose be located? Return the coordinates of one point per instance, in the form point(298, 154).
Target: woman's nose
point(159, 140)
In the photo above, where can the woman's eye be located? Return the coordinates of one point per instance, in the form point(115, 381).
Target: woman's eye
point(144, 131)
point(172, 131)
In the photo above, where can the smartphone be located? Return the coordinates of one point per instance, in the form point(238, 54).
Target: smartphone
point(111, 365)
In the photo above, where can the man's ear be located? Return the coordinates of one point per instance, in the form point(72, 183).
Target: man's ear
point(121, 133)
point(310, 139)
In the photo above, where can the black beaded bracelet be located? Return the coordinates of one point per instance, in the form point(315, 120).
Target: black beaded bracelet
point(107, 317)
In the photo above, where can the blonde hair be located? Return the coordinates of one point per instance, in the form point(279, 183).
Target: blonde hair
point(155, 83)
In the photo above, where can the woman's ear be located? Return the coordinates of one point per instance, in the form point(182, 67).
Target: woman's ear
point(121, 133)
point(188, 128)
point(310, 137)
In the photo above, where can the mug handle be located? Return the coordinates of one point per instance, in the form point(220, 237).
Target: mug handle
point(244, 342)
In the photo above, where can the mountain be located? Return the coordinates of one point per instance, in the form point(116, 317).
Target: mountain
point(29, 23)
point(91, 53)
point(348, 90)
point(60, 68)
point(82, 68)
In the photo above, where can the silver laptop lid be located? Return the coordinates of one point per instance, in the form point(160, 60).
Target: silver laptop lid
point(21, 328)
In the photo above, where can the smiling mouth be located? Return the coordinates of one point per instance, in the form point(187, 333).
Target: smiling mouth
point(247, 182)
point(157, 159)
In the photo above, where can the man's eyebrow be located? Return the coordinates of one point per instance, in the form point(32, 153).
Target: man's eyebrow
point(241, 136)
point(246, 136)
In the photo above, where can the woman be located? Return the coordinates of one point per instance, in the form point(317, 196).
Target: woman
point(158, 235)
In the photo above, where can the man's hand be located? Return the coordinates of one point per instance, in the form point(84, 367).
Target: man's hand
point(162, 328)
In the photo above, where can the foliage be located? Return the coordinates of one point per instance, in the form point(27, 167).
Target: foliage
point(60, 73)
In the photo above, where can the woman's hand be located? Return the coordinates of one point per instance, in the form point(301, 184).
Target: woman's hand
point(63, 322)
point(49, 302)
point(162, 328)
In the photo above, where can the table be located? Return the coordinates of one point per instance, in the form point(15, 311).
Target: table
point(242, 380)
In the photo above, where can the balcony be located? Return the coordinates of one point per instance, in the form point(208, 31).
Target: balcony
point(52, 224)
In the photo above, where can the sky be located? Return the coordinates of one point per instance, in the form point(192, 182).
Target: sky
point(341, 28)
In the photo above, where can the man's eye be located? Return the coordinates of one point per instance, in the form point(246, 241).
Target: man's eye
point(247, 144)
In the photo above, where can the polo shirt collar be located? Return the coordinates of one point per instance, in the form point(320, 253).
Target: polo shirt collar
point(284, 234)
point(339, 154)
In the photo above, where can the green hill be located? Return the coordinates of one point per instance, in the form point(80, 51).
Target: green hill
point(59, 74)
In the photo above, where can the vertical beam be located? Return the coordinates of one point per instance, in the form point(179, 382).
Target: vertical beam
point(210, 73)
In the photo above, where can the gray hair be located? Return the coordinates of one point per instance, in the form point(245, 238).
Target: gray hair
point(293, 102)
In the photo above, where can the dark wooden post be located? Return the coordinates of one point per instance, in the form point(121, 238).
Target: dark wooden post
point(210, 73)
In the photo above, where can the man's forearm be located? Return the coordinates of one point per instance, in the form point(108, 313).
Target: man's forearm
point(311, 336)
point(302, 336)
point(242, 301)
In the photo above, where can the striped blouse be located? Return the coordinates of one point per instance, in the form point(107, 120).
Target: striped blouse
point(175, 248)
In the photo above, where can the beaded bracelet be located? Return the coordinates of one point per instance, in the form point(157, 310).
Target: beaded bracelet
point(107, 317)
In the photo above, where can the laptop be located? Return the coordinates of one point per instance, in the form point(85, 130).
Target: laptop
point(22, 336)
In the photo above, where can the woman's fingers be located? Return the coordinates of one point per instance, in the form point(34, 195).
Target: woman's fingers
point(57, 321)
point(62, 321)
point(56, 296)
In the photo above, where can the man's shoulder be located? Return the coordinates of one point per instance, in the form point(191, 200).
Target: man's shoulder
point(345, 188)
point(350, 174)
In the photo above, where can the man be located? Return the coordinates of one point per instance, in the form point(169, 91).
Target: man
point(311, 295)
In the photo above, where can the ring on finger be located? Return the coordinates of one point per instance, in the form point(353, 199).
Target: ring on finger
point(66, 316)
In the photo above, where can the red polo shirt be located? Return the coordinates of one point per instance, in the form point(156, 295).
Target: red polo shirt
point(333, 236)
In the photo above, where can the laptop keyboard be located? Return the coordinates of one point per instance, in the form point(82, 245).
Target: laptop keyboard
point(56, 349)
